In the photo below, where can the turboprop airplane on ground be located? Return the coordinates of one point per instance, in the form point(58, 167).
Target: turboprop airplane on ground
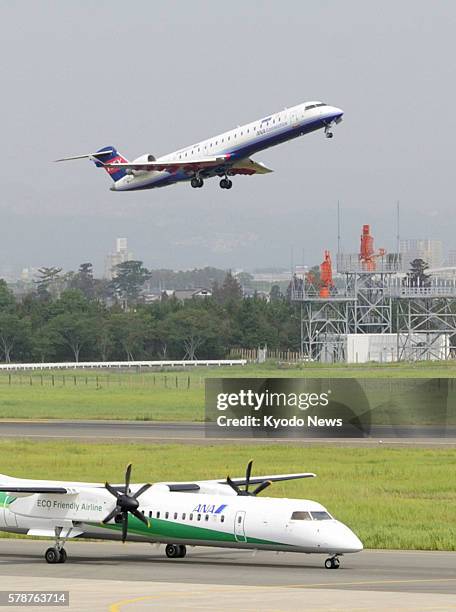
point(225, 155)
point(223, 513)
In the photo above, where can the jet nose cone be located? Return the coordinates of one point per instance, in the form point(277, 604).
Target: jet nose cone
point(338, 114)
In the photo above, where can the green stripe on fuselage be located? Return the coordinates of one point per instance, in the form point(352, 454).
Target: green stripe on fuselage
point(169, 529)
point(5, 499)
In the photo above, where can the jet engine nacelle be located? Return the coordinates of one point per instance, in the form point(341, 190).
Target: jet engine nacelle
point(147, 157)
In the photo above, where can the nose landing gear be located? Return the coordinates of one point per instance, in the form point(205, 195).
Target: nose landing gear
point(332, 562)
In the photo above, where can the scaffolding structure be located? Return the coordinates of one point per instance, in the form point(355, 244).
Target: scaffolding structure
point(376, 301)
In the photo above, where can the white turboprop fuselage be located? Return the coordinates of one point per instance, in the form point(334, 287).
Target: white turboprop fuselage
point(234, 148)
point(215, 516)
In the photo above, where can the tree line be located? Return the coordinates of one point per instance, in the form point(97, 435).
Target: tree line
point(77, 317)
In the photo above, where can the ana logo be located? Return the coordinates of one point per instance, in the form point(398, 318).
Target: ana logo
point(209, 508)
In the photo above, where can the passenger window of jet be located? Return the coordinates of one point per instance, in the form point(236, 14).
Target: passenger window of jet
point(199, 517)
point(239, 520)
point(183, 516)
point(320, 516)
point(191, 517)
point(150, 513)
point(175, 515)
point(158, 513)
point(206, 518)
point(222, 519)
point(300, 516)
point(166, 515)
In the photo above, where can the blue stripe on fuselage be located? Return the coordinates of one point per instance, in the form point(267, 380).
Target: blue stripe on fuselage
point(245, 150)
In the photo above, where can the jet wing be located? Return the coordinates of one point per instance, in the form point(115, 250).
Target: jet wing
point(249, 166)
point(171, 166)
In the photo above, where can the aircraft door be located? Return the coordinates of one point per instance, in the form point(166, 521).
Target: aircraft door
point(239, 530)
point(293, 118)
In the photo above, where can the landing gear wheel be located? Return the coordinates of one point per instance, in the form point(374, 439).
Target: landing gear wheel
point(182, 551)
point(329, 134)
point(52, 555)
point(332, 563)
point(172, 551)
point(62, 555)
point(226, 183)
point(195, 182)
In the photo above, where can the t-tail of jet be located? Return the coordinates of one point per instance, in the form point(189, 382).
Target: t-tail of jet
point(106, 155)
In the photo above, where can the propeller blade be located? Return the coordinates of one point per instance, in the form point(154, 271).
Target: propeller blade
point(111, 489)
point(139, 515)
point(233, 485)
point(248, 472)
point(124, 526)
point(111, 515)
point(127, 479)
point(142, 490)
point(262, 487)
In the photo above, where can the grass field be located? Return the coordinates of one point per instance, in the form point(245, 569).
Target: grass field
point(161, 396)
point(392, 498)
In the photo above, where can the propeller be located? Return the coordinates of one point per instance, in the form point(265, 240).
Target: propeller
point(126, 503)
point(246, 491)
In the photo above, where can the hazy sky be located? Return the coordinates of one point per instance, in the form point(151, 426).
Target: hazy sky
point(155, 76)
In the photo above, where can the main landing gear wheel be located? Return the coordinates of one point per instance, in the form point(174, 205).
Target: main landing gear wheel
point(175, 551)
point(196, 182)
point(62, 555)
point(332, 563)
point(329, 134)
point(52, 555)
point(226, 183)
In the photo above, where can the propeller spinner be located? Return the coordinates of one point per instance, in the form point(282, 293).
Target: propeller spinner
point(246, 491)
point(126, 503)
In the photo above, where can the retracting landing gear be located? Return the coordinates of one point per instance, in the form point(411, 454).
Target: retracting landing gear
point(175, 551)
point(56, 554)
point(332, 562)
point(328, 132)
point(196, 182)
point(226, 183)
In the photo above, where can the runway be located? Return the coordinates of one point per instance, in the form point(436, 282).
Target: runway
point(370, 580)
point(194, 433)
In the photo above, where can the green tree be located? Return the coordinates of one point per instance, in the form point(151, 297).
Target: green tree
point(7, 301)
point(229, 291)
point(84, 281)
point(417, 276)
point(192, 329)
point(14, 335)
point(129, 331)
point(130, 276)
point(48, 283)
point(72, 330)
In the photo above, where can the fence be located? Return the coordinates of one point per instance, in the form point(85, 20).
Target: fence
point(93, 365)
point(261, 354)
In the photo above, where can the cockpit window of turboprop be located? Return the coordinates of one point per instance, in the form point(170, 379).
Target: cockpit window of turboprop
point(321, 516)
point(300, 515)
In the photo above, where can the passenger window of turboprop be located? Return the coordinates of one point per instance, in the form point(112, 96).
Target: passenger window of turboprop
point(321, 516)
point(299, 515)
